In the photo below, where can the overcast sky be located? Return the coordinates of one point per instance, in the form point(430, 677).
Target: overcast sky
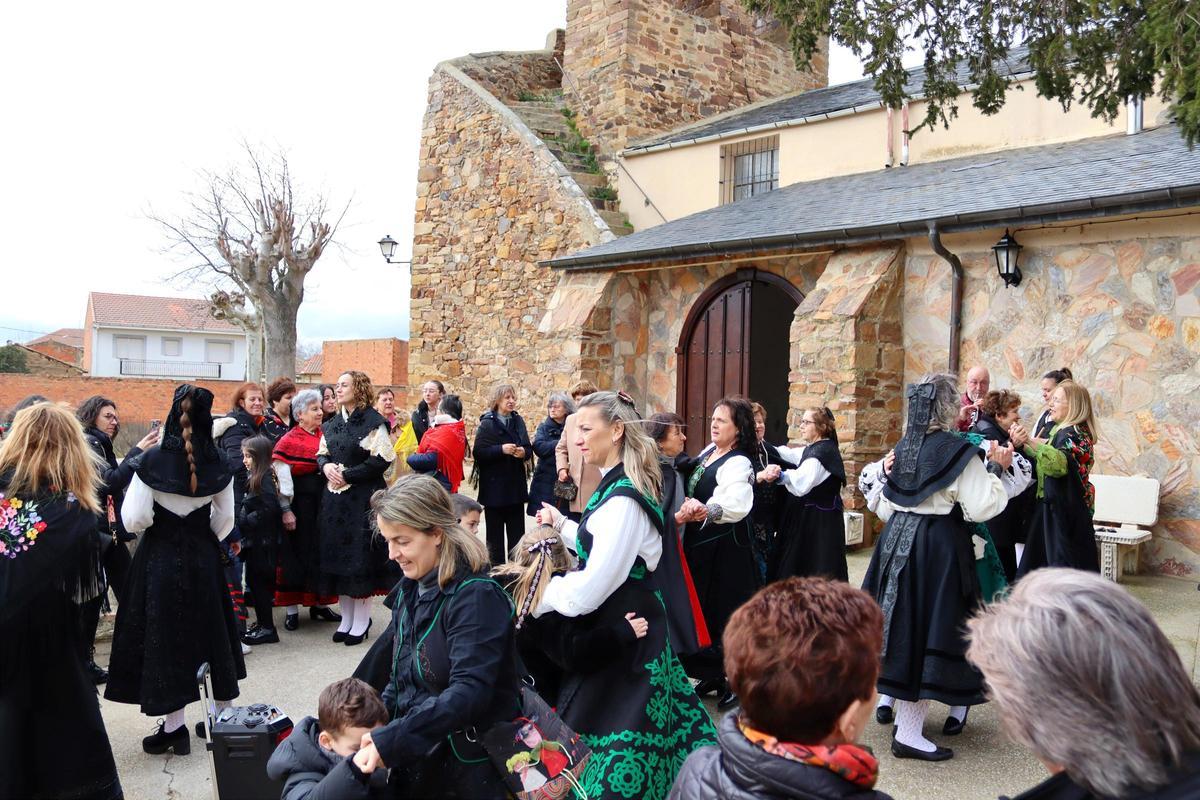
point(113, 108)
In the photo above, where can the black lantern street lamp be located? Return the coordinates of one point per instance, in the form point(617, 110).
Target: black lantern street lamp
point(1007, 250)
point(387, 246)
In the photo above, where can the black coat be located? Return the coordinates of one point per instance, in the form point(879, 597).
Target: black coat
point(114, 480)
point(737, 769)
point(455, 670)
point(310, 772)
point(420, 419)
point(259, 517)
point(1183, 784)
point(230, 443)
point(502, 478)
point(541, 488)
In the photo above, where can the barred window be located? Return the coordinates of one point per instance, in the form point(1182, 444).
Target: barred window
point(749, 168)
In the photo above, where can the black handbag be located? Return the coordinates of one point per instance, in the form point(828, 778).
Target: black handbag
point(566, 490)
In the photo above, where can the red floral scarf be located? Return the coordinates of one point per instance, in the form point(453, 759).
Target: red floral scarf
point(449, 442)
point(851, 762)
point(298, 449)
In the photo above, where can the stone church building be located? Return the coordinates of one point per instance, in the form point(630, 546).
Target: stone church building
point(660, 202)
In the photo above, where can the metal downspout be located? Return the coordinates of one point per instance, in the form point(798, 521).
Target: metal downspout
point(956, 294)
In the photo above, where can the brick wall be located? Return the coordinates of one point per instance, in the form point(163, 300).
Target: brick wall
point(63, 352)
point(385, 360)
point(647, 66)
point(138, 399)
point(39, 363)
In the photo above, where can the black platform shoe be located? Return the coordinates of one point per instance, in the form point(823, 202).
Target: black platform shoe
point(710, 686)
point(340, 636)
point(323, 613)
point(352, 640)
point(96, 673)
point(953, 727)
point(291, 622)
point(160, 742)
point(900, 750)
point(260, 635)
point(727, 701)
point(884, 715)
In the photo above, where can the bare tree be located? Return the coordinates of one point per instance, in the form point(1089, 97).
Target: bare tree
point(253, 241)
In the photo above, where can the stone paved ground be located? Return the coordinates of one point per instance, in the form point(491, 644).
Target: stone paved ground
point(292, 673)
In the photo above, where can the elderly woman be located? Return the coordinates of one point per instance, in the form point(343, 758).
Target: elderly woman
point(545, 443)
point(1084, 678)
point(998, 412)
point(54, 740)
point(454, 668)
point(444, 445)
point(923, 570)
point(301, 485)
point(502, 450)
point(797, 656)
point(278, 419)
point(354, 453)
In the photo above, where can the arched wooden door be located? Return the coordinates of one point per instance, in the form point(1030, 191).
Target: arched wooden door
point(735, 340)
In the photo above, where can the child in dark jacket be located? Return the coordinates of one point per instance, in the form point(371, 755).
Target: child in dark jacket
point(260, 520)
point(316, 761)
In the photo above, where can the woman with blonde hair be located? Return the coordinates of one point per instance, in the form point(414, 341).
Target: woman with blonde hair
point(49, 561)
point(1060, 533)
point(454, 666)
point(638, 713)
point(177, 613)
point(1085, 679)
point(502, 452)
point(354, 453)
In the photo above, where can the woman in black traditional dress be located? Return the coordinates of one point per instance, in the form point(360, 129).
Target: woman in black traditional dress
point(1061, 533)
point(922, 572)
point(638, 713)
point(812, 534)
point(998, 412)
point(354, 453)
point(55, 745)
point(301, 485)
point(685, 619)
point(718, 541)
point(769, 498)
point(177, 613)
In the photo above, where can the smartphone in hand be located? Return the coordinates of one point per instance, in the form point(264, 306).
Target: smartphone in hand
point(155, 424)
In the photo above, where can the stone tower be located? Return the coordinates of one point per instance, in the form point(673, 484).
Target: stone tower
point(635, 68)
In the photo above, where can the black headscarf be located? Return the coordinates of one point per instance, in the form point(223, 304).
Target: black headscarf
point(165, 467)
point(926, 461)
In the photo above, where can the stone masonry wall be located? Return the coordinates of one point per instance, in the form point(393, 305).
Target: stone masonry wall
point(1124, 315)
point(847, 354)
point(640, 67)
point(509, 75)
point(490, 205)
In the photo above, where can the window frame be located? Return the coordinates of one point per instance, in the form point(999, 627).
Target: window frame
point(763, 153)
point(140, 340)
point(208, 343)
point(177, 341)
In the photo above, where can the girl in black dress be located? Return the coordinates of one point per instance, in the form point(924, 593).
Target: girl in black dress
point(354, 453)
point(260, 521)
point(54, 740)
point(812, 535)
point(177, 613)
point(502, 450)
point(718, 541)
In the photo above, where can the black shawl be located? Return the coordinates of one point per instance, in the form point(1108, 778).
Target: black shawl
point(164, 467)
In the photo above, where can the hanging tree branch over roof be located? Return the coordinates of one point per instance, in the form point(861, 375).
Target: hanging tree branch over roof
point(1094, 52)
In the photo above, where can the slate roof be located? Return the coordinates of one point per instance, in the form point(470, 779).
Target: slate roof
point(159, 313)
point(1087, 178)
point(71, 337)
point(813, 103)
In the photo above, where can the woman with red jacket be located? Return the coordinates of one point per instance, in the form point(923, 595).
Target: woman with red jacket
point(444, 445)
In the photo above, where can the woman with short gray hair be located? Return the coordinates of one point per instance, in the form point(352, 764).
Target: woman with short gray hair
point(1084, 678)
point(922, 571)
point(559, 406)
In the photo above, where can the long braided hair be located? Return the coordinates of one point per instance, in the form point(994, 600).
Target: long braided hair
point(539, 556)
point(185, 424)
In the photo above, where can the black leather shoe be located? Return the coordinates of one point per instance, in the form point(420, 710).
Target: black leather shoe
point(710, 686)
point(159, 742)
point(352, 640)
point(96, 673)
point(884, 715)
point(904, 751)
point(727, 701)
point(291, 622)
point(260, 635)
point(340, 636)
point(953, 727)
point(200, 730)
point(324, 613)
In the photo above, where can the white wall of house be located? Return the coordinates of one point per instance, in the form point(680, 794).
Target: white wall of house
point(167, 354)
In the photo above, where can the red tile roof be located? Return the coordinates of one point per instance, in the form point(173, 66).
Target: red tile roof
point(71, 337)
point(163, 313)
point(310, 366)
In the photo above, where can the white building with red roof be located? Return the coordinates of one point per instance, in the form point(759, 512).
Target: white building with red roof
point(135, 336)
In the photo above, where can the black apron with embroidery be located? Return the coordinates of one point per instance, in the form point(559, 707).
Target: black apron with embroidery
point(637, 713)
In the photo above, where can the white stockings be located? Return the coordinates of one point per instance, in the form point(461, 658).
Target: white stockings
point(910, 719)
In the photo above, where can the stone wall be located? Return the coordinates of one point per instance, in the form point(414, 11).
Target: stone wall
point(58, 350)
point(640, 67)
point(846, 354)
point(508, 76)
point(1123, 312)
point(38, 362)
point(491, 202)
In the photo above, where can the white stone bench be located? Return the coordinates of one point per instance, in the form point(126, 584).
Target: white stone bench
point(1125, 508)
